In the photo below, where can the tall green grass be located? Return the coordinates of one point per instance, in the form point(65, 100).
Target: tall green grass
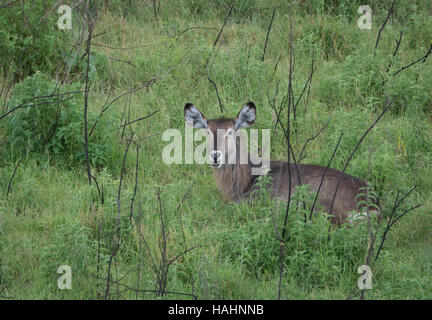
point(53, 217)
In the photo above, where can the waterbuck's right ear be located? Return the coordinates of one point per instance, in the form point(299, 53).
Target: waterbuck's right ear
point(192, 114)
point(246, 116)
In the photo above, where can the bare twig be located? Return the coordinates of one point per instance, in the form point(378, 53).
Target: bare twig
point(424, 58)
point(11, 178)
point(372, 235)
point(322, 178)
point(90, 30)
point(212, 81)
point(180, 254)
point(50, 10)
point(25, 105)
point(8, 4)
point(308, 81)
point(117, 236)
point(136, 182)
point(156, 5)
point(383, 25)
point(180, 217)
point(268, 33)
point(223, 26)
point(121, 178)
point(122, 48)
point(152, 291)
point(146, 85)
point(139, 119)
point(149, 136)
point(288, 127)
point(392, 221)
point(398, 42)
point(309, 88)
point(193, 28)
point(302, 156)
point(121, 60)
point(282, 243)
point(355, 149)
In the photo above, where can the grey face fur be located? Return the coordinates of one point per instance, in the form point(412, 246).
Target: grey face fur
point(222, 132)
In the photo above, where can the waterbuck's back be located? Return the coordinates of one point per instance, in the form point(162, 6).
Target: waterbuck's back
point(345, 200)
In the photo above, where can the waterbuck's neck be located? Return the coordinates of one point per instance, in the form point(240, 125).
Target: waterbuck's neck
point(233, 180)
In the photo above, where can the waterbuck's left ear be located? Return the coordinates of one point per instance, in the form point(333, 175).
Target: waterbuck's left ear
point(192, 114)
point(246, 116)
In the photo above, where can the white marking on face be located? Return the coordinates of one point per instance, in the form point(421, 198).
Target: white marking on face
point(358, 216)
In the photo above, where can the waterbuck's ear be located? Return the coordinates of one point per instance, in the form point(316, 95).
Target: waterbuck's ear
point(246, 116)
point(192, 114)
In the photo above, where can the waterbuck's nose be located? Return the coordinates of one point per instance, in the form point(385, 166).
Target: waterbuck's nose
point(215, 156)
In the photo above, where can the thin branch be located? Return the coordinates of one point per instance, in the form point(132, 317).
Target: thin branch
point(355, 149)
point(391, 221)
point(11, 178)
point(123, 48)
point(282, 243)
point(177, 210)
point(121, 60)
point(25, 105)
point(143, 118)
point(146, 85)
point(223, 26)
point(212, 81)
point(146, 137)
point(152, 291)
point(268, 34)
point(8, 4)
point(306, 84)
point(90, 27)
point(50, 10)
point(398, 42)
point(121, 178)
point(404, 213)
point(136, 182)
point(372, 236)
point(301, 156)
point(288, 128)
point(309, 87)
point(181, 254)
point(322, 178)
point(193, 28)
point(383, 25)
point(428, 53)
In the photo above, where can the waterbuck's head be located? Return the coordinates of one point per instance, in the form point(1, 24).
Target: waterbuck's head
point(221, 132)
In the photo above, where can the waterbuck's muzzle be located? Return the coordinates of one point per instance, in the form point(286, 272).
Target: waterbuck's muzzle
point(216, 158)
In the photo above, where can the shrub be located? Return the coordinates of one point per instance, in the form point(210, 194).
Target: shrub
point(312, 259)
point(54, 125)
point(30, 44)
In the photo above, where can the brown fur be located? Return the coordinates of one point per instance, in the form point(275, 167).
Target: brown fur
point(235, 181)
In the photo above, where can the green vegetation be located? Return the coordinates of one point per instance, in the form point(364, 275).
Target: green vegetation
point(50, 215)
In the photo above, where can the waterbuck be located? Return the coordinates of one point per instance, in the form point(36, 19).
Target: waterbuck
point(235, 179)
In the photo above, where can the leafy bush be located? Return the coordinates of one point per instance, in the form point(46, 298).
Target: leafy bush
point(29, 42)
point(54, 125)
point(311, 257)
